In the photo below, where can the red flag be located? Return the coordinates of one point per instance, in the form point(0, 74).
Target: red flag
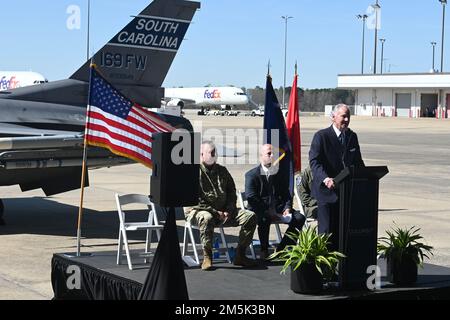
point(293, 126)
point(116, 123)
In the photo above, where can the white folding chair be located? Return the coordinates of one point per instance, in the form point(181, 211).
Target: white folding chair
point(242, 203)
point(189, 244)
point(184, 254)
point(151, 224)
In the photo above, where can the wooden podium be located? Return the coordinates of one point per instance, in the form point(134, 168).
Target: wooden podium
point(358, 223)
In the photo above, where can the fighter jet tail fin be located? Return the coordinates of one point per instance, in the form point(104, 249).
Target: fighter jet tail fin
point(136, 60)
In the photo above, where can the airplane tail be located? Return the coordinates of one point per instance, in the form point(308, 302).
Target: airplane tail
point(136, 60)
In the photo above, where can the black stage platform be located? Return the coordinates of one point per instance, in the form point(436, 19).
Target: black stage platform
point(103, 279)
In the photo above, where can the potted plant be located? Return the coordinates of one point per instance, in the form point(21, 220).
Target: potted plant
point(309, 259)
point(404, 253)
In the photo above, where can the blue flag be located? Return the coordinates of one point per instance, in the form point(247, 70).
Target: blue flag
point(275, 133)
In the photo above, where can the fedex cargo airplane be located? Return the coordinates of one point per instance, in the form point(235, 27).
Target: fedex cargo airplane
point(16, 79)
point(205, 96)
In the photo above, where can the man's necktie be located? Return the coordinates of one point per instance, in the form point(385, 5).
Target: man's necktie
point(342, 141)
point(342, 138)
point(271, 192)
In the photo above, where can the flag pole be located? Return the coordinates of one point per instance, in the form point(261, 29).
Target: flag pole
point(83, 169)
point(296, 174)
point(80, 209)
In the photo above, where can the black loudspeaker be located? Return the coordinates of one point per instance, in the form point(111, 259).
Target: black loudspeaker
point(176, 169)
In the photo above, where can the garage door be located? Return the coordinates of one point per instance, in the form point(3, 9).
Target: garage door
point(403, 104)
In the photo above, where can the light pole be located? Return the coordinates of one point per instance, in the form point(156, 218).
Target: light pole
point(363, 17)
point(433, 44)
point(384, 63)
point(286, 18)
point(444, 2)
point(382, 53)
point(376, 6)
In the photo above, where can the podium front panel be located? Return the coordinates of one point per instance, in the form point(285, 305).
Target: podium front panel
point(358, 230)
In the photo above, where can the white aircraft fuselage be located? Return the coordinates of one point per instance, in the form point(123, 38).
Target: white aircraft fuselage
point(206, 96)
point(16, 79)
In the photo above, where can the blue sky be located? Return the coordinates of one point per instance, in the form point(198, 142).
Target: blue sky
point(231, 41)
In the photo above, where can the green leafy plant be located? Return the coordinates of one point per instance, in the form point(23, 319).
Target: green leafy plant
point(404, 242)
point(310, 248)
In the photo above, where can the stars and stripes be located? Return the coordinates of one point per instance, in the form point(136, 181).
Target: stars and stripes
point(116, 123)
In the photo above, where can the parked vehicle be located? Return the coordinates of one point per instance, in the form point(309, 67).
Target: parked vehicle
point(258, 112)
point(226, 111)
point(203, 112)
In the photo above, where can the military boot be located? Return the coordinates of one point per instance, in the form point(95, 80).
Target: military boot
point(241, 260)
point(207, 259)
point(264, 255)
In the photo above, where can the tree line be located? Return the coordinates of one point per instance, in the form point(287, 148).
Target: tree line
point(309, 99)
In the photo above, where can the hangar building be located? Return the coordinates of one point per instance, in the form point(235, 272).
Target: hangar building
point(399, 94)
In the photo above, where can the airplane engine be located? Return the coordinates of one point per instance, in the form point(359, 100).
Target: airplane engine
point(175, 103)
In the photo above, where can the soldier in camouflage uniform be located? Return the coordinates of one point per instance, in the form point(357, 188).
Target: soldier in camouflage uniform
point(217, 205)
point(309, 203)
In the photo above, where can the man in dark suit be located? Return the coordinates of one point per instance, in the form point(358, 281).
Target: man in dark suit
point(332, 149)
point(269, 197)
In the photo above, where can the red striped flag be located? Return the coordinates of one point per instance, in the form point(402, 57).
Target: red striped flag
point(116, 123)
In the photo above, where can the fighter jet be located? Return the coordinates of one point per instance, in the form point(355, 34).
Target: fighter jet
point(41, 126)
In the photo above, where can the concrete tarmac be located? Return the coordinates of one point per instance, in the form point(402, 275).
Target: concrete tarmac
point(416, 192)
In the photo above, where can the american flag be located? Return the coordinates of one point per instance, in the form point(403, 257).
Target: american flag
point(116, 123)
